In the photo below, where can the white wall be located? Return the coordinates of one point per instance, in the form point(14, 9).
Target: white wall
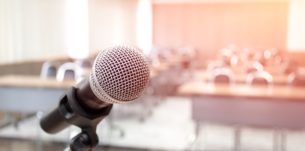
point(296, 26)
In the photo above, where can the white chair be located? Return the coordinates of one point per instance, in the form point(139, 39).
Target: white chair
point(295, 79)
point(68, 71)
point(255, 67)
point(259, 78)
point(48, 70)
point(222, 75)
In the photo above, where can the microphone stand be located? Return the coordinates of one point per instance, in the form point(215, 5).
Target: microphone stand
point(71, 112)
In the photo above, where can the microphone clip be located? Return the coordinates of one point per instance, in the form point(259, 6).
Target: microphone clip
point(87, 138)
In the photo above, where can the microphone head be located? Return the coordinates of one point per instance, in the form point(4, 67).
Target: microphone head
point(119, 74)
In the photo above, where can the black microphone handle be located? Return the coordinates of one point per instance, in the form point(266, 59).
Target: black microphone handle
point(71, 110)
point(53, 122)
point(87, 98)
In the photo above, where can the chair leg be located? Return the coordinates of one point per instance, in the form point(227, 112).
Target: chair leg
point(279, 140)
point(197, 132)
point(196, 136)
point(283, 136)
point(275, 140)
point(39, 142)
point(237, 138)
point(11, 120)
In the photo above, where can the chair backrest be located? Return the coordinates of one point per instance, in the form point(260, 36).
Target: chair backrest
point(222, 75)
point(215, 66)
point(259, 78)
point(67, 71)
point(290, 67)
point(295, 79)
point(255, 67)
point(48, 70)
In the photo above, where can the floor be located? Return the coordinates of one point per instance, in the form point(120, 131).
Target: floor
point(168, 127)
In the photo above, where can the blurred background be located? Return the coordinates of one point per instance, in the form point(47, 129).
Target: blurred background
point(225, 74)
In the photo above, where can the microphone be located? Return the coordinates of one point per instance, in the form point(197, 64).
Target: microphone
point(119, 75)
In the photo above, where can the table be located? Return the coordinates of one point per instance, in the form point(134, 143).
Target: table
point(240, 104)
point(30, 93)
point(272, 92)
point(277, 106)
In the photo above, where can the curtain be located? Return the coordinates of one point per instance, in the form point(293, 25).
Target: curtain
point(10, 30)
point(31, 29)
point(35, 29)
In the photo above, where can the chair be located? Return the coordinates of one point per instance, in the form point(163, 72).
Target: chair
point(296, 79)
point(67, 71)
point(290, 67)
point(255, 67)
point(215, 65)
point(84, 68)
point(259, 78)
point(222, 75)
point(48, 70)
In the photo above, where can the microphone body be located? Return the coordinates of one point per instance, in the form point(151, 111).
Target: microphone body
point(119, 74)
point(73, 110)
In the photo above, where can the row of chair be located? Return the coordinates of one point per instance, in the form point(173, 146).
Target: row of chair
point(225, 75)
point(259, 77)
point(67, 71)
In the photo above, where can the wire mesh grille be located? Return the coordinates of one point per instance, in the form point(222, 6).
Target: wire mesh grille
point(120, 74)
